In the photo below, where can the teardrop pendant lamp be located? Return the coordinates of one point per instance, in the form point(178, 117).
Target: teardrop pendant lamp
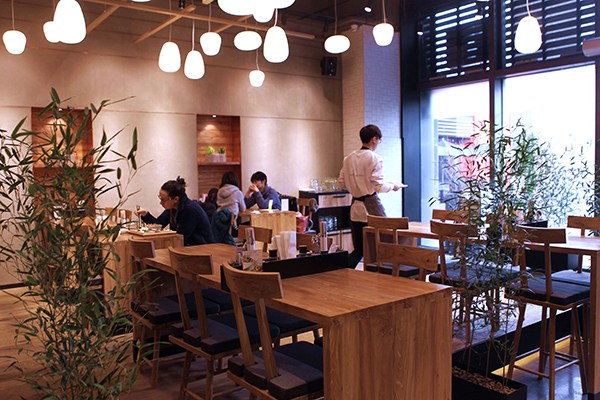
point(276, 48)
point(263, 11)
point(194, 63)
point(247, 40)
point(336, 44)
point(256, 77)
point(528, 37)
point(70, 22)
point(169, 59)
point(237, 7)
point(210, 41)
point(14, 40)
point(383, 33)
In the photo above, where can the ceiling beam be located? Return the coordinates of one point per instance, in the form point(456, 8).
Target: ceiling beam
point(225, 27)
point(223, 21)
point(100, 18)
point(188, 9)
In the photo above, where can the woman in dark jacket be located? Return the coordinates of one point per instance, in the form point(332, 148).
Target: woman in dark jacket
point(182, 214)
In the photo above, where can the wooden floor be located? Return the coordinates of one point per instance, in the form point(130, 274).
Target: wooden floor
point(568, 385)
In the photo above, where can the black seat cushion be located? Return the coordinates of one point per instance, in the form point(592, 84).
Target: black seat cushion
point(476, 278)
point(161, 311)
point(570, 276)
point(285, 322)
point(210, 307)
point(223, 334)
point(301, 371)
point(562, 293)
point(222, 299)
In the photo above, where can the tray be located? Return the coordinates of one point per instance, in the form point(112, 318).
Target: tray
point(150, 234)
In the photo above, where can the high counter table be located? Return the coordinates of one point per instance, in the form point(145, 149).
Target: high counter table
point(384, 338)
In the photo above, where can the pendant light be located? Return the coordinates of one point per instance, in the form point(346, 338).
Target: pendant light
point(169, 59)
point(247, 40)
point(283, 3)
point(263, 11)
point(257, 77)
point(51, 30)
point(528, 37)
point(276, 48)
point(194, 63)
point(14, 40)
point(336, 44)
point(383, 33)
point(237, 7)
point(70, 22)
point(210, 41)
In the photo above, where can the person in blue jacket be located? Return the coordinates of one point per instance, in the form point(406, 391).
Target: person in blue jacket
point(183, 215)
point(260, 193)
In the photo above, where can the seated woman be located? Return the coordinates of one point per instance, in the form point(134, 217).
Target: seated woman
point(182, 214)
point(229, 195)
point(210, 204)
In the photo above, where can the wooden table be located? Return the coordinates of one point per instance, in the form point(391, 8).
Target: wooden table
point(384, 338)
point(275, 220)
point(580, 245)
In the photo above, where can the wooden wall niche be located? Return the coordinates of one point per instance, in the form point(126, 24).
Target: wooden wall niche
point(218, 132)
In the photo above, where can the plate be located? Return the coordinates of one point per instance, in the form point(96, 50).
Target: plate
point(150, 233)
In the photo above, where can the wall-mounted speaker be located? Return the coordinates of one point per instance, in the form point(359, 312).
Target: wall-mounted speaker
point(328, 66)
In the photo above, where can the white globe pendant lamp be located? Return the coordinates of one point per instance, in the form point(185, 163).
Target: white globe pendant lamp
point(247, 40)
point(237, 7)
point(194, 63)
point(276, 48)
point(383, 34)
point(336, 44)
point(14, 41)
point(528, 37)
point(263, 11)
point(256, 77)
point(51, 32)
point(70, 22)
point(210, 41)
point(169, 59)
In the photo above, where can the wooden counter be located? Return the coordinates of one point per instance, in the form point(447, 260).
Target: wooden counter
point(276, 220)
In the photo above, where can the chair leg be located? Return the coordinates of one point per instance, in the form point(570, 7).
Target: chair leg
point(294, 338)
point(185, 376)
point(210, 373)
point(552, 351)
point(155, 357)
point(543, 342)
point(515, 346)
point(576, 335)
point(468, 301)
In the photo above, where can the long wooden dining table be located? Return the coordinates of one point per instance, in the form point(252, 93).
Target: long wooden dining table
point(575, 244)
point(383, 337)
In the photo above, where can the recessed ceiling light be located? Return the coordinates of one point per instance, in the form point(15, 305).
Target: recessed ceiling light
point(368, 9)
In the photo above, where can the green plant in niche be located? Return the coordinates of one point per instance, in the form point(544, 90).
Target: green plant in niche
point(210, 150)
point(221, 150)
point(48, 233)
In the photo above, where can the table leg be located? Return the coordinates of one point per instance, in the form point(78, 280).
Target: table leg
point(594, 329)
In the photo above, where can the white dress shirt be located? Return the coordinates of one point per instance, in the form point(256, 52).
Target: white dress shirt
point(362, 175)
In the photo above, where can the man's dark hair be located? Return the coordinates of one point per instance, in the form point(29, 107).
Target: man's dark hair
point(369, 132)
point(230, 178)
point(258, 176)
point(174, 188)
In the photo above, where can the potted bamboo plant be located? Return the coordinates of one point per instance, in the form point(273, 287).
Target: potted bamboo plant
point(48, 233)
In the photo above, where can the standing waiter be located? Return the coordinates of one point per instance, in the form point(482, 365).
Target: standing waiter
point(362, 175)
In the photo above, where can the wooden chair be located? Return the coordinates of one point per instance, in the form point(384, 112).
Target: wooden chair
point(211, 338)
point(450, 215)
point(292, 371)
point(551, 296)
point(386, 231)
point(426, 260)
point(263, 235)
point(456, 275)
point(153, 315)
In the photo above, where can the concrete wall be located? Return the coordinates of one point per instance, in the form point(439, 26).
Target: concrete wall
point(291, 128)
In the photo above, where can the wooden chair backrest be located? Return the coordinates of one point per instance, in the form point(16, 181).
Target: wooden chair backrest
point(450, 215)
point(583, 224)
point(187, 267)
point(255, 286)
point(140, 249)
point(545, 236)
point(263, 235)
point(452, 232)
point(304, 206)
point(386, 231)
point(424, 259)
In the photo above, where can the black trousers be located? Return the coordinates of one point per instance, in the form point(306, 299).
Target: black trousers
point(357, 240)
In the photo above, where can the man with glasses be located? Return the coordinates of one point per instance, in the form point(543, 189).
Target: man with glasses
point(362, 176)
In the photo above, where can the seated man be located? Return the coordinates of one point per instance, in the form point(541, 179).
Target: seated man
point(260, 193)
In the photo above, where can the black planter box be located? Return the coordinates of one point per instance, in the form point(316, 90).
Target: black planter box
point(466, 390)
